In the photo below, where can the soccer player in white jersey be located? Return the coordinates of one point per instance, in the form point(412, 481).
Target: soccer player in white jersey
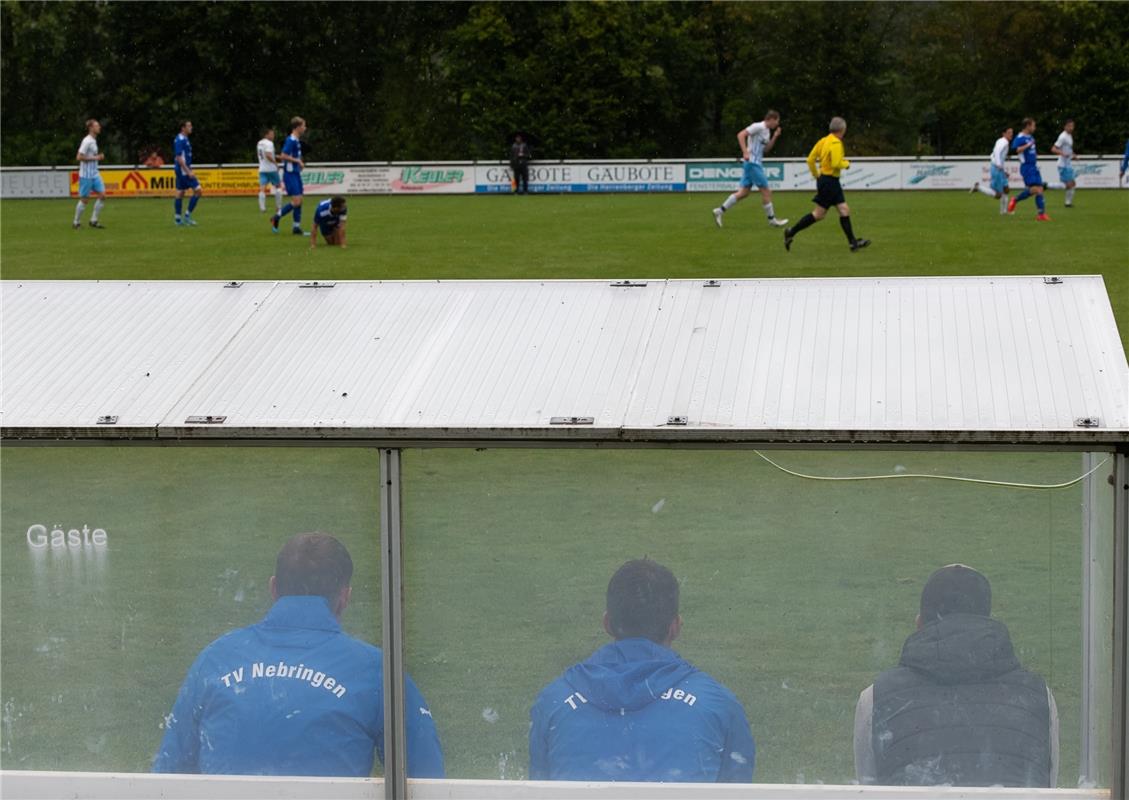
point(755, 140)
point(1064, 149)
point(89, 181)
point(997, 184)
point(268, 171)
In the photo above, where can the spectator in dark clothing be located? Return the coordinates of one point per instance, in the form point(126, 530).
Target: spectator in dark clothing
point(520, 156)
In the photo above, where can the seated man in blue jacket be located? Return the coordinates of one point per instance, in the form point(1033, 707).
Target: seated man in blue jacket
point(635, 710)
point(293, 694)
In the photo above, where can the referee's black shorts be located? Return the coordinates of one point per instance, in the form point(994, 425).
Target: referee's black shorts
point(828, 192)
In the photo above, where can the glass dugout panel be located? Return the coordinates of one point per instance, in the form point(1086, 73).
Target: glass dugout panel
point(120, 564)
point(795, 593)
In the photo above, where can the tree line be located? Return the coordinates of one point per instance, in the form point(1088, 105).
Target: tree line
point(447, 81)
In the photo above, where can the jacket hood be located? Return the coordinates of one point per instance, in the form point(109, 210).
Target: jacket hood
point(628, 674)
point(961, 648)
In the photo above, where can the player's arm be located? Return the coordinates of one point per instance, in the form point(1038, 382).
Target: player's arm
point(180, 746)
point(813, 158)
point(743, 141)
point(180, 160)
point(538, 744)
point(314, 234)
point(1025, 145)
point(425, 755)
point(772, 142)
point(341, 236)
point(1058, 150)
point(739, 760)
point(837, 156)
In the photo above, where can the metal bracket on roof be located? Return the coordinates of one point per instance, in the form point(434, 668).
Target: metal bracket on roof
point(205, 420)
point(108, 420)
point(629, 284)
point(1052, 279)
point(676, 420)
point(317, 285)
point(712, 284)
point(233, 284)
point(1088, 422)
point(572, 420)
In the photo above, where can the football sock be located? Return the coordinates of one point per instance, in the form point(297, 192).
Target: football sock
point(192, 203)
point(1041, 203)
point(729, 202)
point(297, 216)
point(845, 224)
point(1023, 195)
point(262, 200)
point(97, 210)
point(985, 190)
point(78, 211)
point(1069, 196)
point(806, 221)
point(1003, 203)
point(1055, 185)
point(286, 209)
point(178, 204)
point(277, 199)
point(768, 211)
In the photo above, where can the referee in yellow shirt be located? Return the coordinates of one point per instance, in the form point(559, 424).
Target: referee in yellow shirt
point(828, 155)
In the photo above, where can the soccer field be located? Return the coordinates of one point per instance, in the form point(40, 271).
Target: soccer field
point(795, 593)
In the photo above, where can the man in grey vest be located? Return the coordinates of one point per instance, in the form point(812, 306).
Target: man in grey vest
point(959, 709)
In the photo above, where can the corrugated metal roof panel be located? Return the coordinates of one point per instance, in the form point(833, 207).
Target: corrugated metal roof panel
point(802, 359)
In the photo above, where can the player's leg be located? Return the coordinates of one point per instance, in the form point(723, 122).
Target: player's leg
point(99, 194)
point(1066, 175)
point(818, 212)
point(296, 202)
point(766, 203)
point(333, 237)
point(84, 187)
point(263, 181)
point(848, 230)
point(744, 187)
point(1040, 202)
point(178, 203)
point(196, 192)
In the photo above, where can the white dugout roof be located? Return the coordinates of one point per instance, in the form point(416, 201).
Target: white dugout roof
point(1028, 359)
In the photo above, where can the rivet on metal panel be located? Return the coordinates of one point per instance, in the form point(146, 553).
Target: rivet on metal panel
point(108, 420)
point(207, 420)
point(676, 420)
point(712, 284)
point(629, 284)
point(1088, 422)
point(317, 285)
point(1052, 279)
point(233, 284)
point(571, 420)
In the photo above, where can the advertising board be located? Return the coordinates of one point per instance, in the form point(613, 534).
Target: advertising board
point(721, 176)
point(581, 176)
point(162, 182)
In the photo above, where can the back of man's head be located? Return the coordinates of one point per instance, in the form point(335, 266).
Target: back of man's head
point(642, 601)
point(955, 589)
point(313, 564)
point(837, 125)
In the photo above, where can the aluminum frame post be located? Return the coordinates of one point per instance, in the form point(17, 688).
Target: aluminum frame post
point(392, 606)
point(1093, 609)
point(1119, 780)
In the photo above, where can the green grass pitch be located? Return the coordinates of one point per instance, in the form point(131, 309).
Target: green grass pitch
point(795, 593)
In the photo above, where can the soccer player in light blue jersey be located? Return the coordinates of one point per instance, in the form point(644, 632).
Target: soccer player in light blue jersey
point(89, 180)
point(185, 178)
point(291, 158)
point(997, 186)
point(1024, 147)
point(1064, 149)
point(755, 140)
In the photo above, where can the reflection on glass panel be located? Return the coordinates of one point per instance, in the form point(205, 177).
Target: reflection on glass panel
point(795, 595)
point(122, 565)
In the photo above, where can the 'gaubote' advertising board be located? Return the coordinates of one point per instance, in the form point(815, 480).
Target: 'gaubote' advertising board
point(581, 176)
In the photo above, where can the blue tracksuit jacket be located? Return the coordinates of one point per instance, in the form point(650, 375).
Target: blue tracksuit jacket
point(290, 695)
point(636, 711)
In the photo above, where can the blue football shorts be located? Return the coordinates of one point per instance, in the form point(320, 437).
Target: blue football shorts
point(269, 177)
point(753, 175)
point(999, 179)
point(1066, 174)
point(1031, 176)
point(88, 185)
point(293, 183)
point(184, 183)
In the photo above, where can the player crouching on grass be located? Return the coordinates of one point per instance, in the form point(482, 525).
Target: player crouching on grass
point(329, 218)
point(828, 153)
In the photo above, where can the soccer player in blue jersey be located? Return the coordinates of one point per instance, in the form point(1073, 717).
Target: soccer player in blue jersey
point(329, 219)
point(755, 140)
point(89, 180)
point(185, 177)
point(1024, 147)
point(291, 158)
point(1124, 163)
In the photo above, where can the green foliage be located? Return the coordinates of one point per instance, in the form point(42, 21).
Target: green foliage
point(389, 81)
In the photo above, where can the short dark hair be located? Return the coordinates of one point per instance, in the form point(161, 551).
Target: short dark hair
point(337, 202)
point(184, 123)
point(1067, 121)
point(955, 589)
point(772, 114)
point(313, 564)
point(642, 601)
point(1006, 128)
point(266, 130)
point(295, 122)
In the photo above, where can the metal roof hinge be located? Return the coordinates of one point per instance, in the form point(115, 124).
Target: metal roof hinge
point(317, 285)
point(712, 284)
point(1087, 422)
point(629, 284)
point(1050, 279)
point(676, 420)
point(109, 419)
point(571, 420)
point(233, 284)
point(208, 420)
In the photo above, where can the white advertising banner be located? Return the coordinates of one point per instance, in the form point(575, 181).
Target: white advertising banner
point(397, 179)
point(34, 183)
point(582, 176)
point(940, 175)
